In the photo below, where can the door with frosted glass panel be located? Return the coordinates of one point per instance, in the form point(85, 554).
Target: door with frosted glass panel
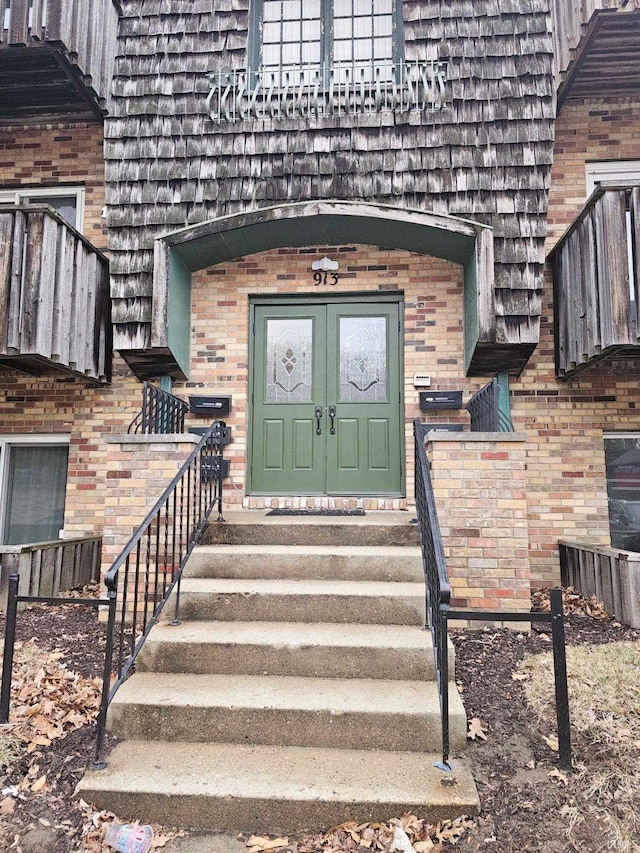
point(326, 414)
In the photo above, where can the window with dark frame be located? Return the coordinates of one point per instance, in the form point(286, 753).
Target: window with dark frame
point(293, 34)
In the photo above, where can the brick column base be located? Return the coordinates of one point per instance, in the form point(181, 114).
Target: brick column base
point(139, 469)
point(479, 480)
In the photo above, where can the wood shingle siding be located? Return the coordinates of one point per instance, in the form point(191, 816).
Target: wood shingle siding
point(486, 156)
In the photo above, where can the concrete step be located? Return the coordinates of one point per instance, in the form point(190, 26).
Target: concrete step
point(334, 713)
point(252, 527)
point(292, 648)
point(340, 562)
point(294, 600)
point(273, 789)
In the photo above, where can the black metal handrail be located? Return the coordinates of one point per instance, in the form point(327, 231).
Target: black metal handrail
point(485, 411)
point(161, 413)
point(437, 586)
point(141, 580)
point(439, 612)
point(150, 567)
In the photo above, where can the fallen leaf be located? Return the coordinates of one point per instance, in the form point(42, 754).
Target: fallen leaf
point(551, 741)
point(557, 774)
point(39, 784)
point(519, 676)
point(476, 729)
point(425, 846)
point(7, 806)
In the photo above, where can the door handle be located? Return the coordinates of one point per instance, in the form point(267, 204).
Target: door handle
point(318, 416)
point(332, 416)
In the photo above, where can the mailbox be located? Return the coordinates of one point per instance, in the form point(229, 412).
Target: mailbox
point(210, 406)
point(222, 434)
point(434, 400)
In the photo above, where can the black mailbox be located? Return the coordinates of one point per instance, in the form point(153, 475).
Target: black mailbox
point(444, 427)
point(208, 406)
point(433, 400)
point(210, 468)
point(221, 435)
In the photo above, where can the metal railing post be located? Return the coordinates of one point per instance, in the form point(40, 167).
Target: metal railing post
point(9, 647)
point(443, 629)
point(98, 762)
point(560, 675)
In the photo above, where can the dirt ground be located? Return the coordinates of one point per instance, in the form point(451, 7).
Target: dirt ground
point(525, 802)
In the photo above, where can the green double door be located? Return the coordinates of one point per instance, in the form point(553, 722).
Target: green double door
point(326, 413)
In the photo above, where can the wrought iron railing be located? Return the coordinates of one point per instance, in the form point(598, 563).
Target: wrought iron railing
point(437, 586)
point(161, 413)
point(318, 90)
point(145, 575)
point(439, 612)
point(485, 411)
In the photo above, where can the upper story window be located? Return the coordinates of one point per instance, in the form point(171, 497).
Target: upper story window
point(293, 34)
point(323, 59)
point(67, 201)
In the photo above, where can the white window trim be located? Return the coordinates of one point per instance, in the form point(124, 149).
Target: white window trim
point(611, 172)
point(15, 196)
point(27, 439)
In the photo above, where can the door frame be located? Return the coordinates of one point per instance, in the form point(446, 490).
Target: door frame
point(368, 297)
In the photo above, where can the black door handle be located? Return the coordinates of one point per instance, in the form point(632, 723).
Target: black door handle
point(318, 416)
point(332, 416)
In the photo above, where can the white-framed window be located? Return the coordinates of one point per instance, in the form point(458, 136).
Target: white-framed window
point(622, 462)
point(33, 480)
point(291, 34)
point(67, 201)
point(611, 172)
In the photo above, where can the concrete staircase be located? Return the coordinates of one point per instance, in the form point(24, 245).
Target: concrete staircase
point(297, 692)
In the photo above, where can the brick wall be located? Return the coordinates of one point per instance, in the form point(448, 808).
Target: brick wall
point(51, 405)
point(58, 154)
point(480, 486)
point(67, 154)
point(564, 421)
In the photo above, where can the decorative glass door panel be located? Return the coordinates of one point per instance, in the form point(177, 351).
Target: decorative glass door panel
point(326, 399)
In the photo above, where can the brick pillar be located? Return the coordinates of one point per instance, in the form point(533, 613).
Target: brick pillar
point(139, 468)
point(479, 480)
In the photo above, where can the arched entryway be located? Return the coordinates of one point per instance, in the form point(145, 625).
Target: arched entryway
point(180, 253)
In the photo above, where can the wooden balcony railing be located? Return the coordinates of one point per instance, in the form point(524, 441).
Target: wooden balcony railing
point(85, 32)
point(568, 20)
point(595, 278)
point(54, 296)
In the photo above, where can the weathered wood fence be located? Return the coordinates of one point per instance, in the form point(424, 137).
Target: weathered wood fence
point(48, 568)
point(594, 314)
point(54, 294)
point(86, 31)
point(612, 576)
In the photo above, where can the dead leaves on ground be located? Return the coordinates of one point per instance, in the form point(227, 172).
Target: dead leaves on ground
point(477, 729)
point(47, 700)
point(425, 837)
point(572, 602)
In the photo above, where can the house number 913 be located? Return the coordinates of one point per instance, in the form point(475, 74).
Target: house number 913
point(326, 279)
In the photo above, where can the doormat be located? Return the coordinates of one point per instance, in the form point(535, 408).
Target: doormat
point(328, 512)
